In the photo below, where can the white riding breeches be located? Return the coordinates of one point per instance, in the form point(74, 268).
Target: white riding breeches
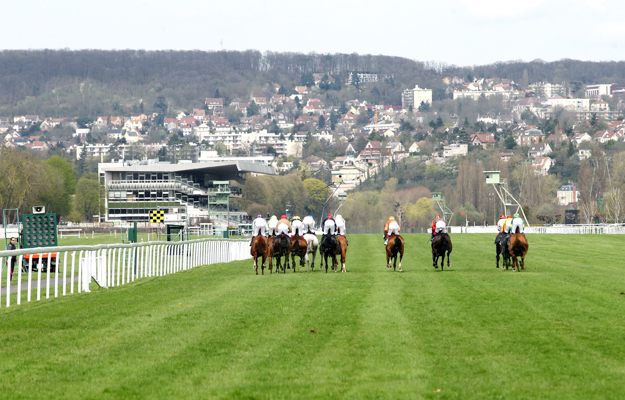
point(517, 222)
point(272, 227)
point(308, 224)
point(500, 225)
point(393, 228)
point(260, 227)
point(282, 228)
point(441, 226)
point(329, 227)
point(298, 228)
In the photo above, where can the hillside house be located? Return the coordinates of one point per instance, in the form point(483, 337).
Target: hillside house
point(539, 150)
point(483, 139)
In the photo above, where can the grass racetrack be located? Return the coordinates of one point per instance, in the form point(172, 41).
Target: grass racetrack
point(556, 331)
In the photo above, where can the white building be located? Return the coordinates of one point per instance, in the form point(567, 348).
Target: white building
point(598, 90)
point(414, 97)
point(569, 104)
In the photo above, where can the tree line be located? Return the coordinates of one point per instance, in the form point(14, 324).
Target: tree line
point(27, 181)
point(117, 82)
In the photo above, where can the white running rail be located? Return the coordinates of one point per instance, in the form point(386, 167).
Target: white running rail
point(109, 265)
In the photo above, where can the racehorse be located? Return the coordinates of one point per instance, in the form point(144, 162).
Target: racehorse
point(518, 248)
point(343, 244)
point(260, 248)
point(394, 246)
point(312, 243)
point(329, 248)
point(270, 252)
point(501, 246)
point(281, 247)
point(299, 248)
point(441, 244)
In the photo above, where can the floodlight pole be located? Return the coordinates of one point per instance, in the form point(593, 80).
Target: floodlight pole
point(501, 188)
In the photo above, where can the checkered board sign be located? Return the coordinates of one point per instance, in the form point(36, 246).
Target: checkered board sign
point(157, 216)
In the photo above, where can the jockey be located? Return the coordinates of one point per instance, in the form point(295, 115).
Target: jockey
point(436, 219)
point(298, 228)
point(309, 224)
point(502, 219)
point(340, 225)
point(507, 225)
point(284, 226)
point(284, 220)
point(328, 226)
point(273, 224)
point(260, 227)
point(391, 227)
point(517, 221)
point(441, 226)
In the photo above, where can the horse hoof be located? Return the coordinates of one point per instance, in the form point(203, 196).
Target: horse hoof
point(399, 269)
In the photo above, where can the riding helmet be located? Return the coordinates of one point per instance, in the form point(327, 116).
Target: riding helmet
point(295, 217)
point(516, 215)
point(502, 216)
point(259, 216)
point(283, 217)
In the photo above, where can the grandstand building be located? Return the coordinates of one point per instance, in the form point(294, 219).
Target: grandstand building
point(192, 190)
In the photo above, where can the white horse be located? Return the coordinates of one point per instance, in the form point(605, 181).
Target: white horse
point(312, 244)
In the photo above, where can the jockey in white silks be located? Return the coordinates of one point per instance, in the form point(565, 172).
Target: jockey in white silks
point(273, 224)
point(329, 226)
point(340, 225)
point(309, 224)
point(391, 227)
point(502, 220)
point(517, 222)
point(297, 227)
point(441, 227)
point(259, 227)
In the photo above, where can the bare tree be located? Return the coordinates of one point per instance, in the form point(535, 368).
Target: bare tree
point(615, 205)
point(589, 211)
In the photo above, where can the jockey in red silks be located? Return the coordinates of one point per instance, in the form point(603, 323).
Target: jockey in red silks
point(502, 220)
point(284, 226)
point(436, 220)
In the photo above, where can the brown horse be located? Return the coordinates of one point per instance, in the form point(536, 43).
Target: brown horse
point(394, 246)
point(518, 248)
point(441, 245)
point(298, 248)
point(343, 244)
point(260, 248)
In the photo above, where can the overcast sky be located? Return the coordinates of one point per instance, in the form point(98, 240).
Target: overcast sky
point(461, 32)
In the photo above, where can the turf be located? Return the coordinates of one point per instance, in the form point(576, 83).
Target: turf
point(555, 331)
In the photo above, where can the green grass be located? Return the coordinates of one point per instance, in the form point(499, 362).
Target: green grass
point(556, 331)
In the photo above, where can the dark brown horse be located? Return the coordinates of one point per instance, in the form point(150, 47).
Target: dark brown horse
point(329, 247)
point(260, 248)
point(281, 248)
point(441, 246)
point(518, 248)
point(394, 246)
point(270, 252)
point(298, 248)
point(501, 247)
point(343, 244)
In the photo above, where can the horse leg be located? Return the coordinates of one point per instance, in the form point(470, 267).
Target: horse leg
point(443, 260)
point(395, 263)
point(497, 248)
point(256, 264)
point(388, 260)
point(401, 255)
point(448, 258)
point(293, 261)
point(523, 262)
point(262, 266)
point(343, 260)
point(434, 259)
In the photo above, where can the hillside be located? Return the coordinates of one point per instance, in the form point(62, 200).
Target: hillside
point(55, 83)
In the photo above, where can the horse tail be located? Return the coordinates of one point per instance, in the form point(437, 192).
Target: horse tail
point(518, 249)
point(296, 246)
point(518, 229)
point(398, 243)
